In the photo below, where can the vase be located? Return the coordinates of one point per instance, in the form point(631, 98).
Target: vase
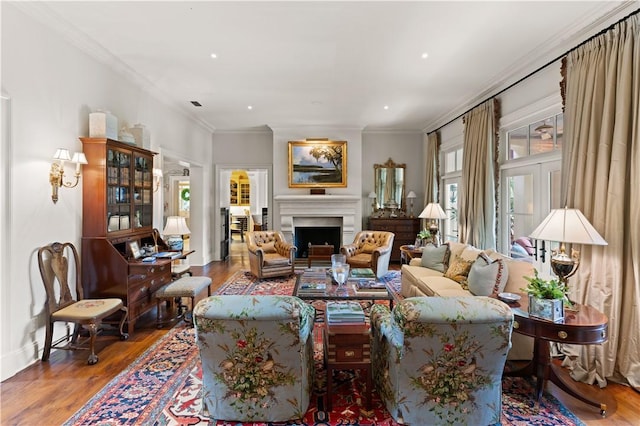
point(547, 309)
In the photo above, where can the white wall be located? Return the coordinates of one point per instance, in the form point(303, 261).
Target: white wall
point(53, 87)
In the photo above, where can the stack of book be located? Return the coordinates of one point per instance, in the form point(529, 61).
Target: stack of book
point(313, 282)
point(361, 274)
point(344, 313)
point(370, 287)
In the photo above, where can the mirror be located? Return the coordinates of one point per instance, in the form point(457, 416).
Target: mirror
point(389, 188)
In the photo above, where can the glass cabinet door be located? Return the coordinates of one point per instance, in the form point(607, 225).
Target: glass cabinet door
point(143, 191)
point(118, 190)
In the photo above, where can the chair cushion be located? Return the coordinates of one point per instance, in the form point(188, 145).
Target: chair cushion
point(459, 270)
point(435, 257)
point(487, 276)
point(269, 247)
point(274, 259)
point(368, 248)
point(88, 309)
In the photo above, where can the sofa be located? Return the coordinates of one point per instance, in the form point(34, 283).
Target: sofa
point(451, 278)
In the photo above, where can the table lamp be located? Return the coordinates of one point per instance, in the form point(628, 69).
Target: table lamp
point(411, 196)
point(566, 226)
point(374, 205)
point(175, 228)
point(434, 212)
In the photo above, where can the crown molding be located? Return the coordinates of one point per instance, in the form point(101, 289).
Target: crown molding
point(46, 16)
point(601, 16)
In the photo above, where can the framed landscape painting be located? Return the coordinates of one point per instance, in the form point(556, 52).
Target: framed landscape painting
point(317, 163)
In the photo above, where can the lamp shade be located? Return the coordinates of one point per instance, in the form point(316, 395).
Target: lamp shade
point(62, 154)
point(79, 158)
point(411, 194)
point(567, 226)
point(372, 195)
point(433, 211)
point(176, 225)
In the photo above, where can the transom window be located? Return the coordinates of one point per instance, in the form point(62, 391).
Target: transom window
point(536, 138)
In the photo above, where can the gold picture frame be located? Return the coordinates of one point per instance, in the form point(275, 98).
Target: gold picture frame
point(317, 163)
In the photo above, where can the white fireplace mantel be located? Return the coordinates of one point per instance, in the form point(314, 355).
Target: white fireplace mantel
point(317, 207)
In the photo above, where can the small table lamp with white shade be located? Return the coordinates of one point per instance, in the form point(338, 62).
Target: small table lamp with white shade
point(434, 212)
point(175, 228)
point(374, 206)
point(411, 196)
point(566, 226)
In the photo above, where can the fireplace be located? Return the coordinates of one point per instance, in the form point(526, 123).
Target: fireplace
point(304, 236)
point(337, 211)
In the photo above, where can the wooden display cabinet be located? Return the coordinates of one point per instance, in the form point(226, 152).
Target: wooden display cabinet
point(117, 208)
point(405, 230)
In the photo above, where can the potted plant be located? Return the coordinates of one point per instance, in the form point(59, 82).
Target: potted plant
point(423, 238)
point(546, 297)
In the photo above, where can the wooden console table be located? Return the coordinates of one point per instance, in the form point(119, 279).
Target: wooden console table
point(586, 326)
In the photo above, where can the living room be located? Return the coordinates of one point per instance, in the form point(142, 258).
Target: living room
point(50, 85)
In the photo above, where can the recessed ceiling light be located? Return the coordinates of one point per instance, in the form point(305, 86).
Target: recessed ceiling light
point(214, 56)
point(425, 55)
point(250, 107)
point(386, 107)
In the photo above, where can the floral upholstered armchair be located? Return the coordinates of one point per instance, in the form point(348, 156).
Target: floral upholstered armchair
point(270, 255)
point(257, 357)
point(370, 249)
point(439, 360)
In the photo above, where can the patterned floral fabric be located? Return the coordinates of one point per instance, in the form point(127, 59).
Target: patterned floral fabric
point(439, 360)
point(257, 356)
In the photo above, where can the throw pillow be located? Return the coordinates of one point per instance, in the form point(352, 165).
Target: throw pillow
point(269, 247)
point(459, 270)
point(487, 277)
point(368, 248)
point(435, 257)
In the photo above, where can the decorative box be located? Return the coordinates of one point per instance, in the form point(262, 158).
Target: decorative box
point(547, 309)
point(103, 124)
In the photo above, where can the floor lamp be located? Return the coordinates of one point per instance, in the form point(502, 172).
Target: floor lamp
point(566, 226)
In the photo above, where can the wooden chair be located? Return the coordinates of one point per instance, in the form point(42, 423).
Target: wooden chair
point(53, 261)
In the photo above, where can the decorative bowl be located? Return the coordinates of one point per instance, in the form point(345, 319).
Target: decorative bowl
point(509, 297)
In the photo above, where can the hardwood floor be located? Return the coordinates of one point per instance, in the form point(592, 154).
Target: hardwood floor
point(48, 393)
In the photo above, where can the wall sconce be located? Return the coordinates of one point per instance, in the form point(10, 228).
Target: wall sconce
point(157, 177)
point(56, 174)
point(411, 196)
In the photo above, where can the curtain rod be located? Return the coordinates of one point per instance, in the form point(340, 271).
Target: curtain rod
point(599, 33)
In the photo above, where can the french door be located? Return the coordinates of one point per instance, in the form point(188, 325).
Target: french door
point(528, 193)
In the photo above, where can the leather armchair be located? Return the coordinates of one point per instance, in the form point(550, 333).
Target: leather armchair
point(439, 360)
point(257, 357)
point(370, 249)
point(270, 255)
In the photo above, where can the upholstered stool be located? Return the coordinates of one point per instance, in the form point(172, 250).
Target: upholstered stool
point(182, 287)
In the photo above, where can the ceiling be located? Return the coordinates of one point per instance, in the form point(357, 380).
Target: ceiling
point(331, 63)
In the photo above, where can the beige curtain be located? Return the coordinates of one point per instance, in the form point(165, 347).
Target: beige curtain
point(601, 175)
point(477, 209)
point(432, 172)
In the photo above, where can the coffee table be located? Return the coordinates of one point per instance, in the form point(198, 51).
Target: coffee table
point(333, 291)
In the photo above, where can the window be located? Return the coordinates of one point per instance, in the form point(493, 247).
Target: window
point(536, 138)
point(451, 186)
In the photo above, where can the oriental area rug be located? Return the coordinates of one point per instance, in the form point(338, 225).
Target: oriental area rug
point(163, 386)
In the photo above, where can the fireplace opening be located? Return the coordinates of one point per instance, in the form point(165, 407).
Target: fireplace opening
point(316, 235)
